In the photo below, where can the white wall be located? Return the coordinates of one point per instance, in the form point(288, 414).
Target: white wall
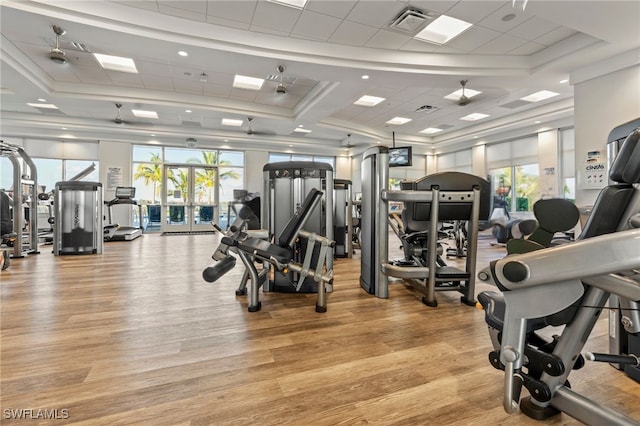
point(115, 157)
point(254, 162)
point(478, 160)
point(601, 104)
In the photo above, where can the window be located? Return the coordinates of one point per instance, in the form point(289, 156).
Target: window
point(52, 170)
point(148, 163)
point(459, 161)
point(514, 173)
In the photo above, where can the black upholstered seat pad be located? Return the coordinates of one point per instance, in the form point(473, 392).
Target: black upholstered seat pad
point(265, 249)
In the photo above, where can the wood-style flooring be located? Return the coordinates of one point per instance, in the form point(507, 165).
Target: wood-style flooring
point(135, 336)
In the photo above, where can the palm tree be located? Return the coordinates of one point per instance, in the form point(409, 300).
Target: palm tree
point(151, 173)
point(205, 179)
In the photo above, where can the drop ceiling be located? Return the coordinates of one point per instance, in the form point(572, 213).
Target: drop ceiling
point(326, 48)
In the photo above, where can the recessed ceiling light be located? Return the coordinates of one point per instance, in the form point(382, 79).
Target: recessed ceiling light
point(231, 122)
point(301, 130)
point(455, 96)
point(398, 121)
point(298, 4)
point(46, 106)
point(116, 63)
point(369, 101)
point(365, 77)
point(63, 128)
point(566, 80)
point(442, 29)
point(473, 117)
point(539, 96)
point(188, 111)
point(244, 82)
point(144, 114)
point(182, 53)
point(476, 137)
point(538, 122)
point(42, 100)
point(226, 140)
point(430, 130)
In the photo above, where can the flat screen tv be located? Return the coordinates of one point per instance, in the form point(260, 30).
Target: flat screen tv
point(400, 156)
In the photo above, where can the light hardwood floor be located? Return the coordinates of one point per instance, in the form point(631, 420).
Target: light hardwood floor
point(135, 336)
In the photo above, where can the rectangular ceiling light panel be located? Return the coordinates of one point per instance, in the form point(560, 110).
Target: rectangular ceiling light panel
point(398, 121)
point(250, 83)
point(298, 4)
point(144, 114)
point(442, 29)
point(539, 96)
point(45, 106)
point(473, 117)
point(430, 130)
point(116, 63)
point(369, 101)
point(301, 130)
point(231, 122)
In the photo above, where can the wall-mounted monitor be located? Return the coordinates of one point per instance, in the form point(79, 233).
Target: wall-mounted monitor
point(400, 156)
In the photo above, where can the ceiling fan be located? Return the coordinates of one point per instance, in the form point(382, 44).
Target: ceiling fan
point(464, 100)
point(251, 132)
point(118, 119)
point(281, 89)
point(56, 54)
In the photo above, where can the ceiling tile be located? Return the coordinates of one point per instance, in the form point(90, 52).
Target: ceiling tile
point(140, 4)
point(495, 22)
point(533, 28)
point(375, 13)
point(182, 13)
point(527, 49)
point(500, 45)
point(385, 39)
point(474, 11)
point(473, 38)
point(275, 17)
point(434, 5)
point(267, 30)
point(315, 26)
point(157, 83)
point(217, 90)
point(414, 45)
point(238, 11)
point(228, 23)
point(187, 86)
point(353, 34)
point(199, 7)
point(337, 9)
point(555, 36)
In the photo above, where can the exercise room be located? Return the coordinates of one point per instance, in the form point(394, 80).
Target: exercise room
point(322, 212)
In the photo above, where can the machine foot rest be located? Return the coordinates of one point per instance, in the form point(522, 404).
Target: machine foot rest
point(242, 292)
point(535, 411)
point(255, 308)
point(451, 273)
point(321, 309)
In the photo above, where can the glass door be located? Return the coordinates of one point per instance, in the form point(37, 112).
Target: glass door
point(205, 197)
point(189, 198)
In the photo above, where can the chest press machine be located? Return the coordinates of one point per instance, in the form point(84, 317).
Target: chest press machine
point(282, 256)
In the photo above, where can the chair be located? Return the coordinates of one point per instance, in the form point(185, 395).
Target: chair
point(176, 214)
point(568, 286)
point(206, 214)
point(552, 215)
